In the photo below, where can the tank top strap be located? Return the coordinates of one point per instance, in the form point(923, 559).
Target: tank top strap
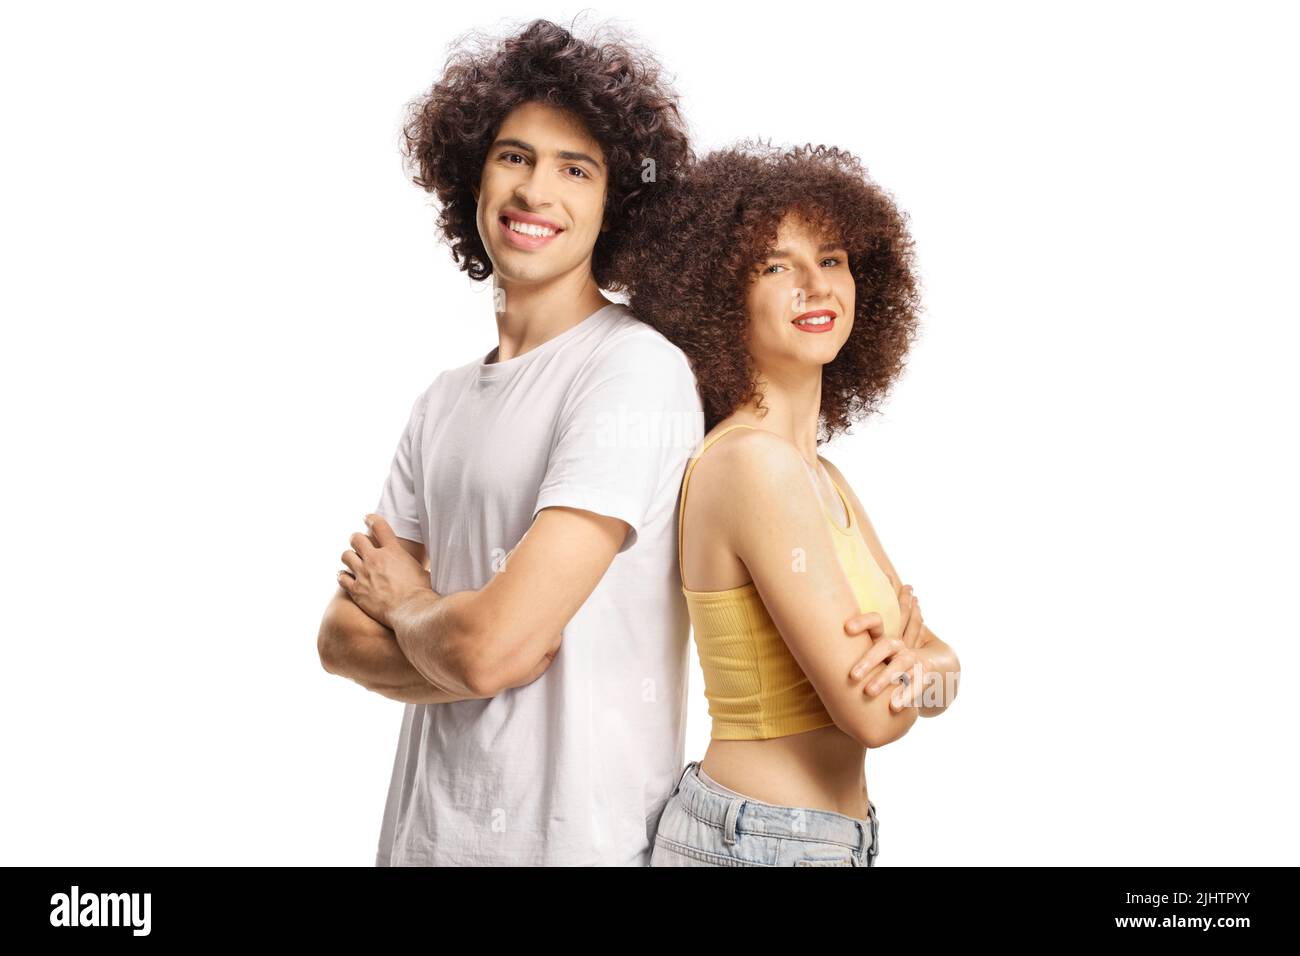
point(686, 479)
point(850, 520)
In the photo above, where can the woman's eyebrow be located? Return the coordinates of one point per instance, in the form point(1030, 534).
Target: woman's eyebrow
point(824, 247)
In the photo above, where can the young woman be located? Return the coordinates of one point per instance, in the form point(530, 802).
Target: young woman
point(787, 278)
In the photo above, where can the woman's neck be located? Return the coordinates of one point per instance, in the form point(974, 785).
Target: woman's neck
point(792, 403)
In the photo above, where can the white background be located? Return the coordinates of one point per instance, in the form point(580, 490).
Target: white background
point(221, 295)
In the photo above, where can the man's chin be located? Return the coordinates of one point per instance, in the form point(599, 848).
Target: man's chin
point(523, 270)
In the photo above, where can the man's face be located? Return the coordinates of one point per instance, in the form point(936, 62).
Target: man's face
point(800, 302)
point(541, 197)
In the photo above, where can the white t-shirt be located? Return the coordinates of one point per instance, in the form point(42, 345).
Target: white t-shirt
point(575, 768)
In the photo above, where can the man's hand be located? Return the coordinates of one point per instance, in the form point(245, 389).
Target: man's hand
point(381, 575)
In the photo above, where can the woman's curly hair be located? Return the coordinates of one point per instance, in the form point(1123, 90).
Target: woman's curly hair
point(614, 88)
point(689, 261)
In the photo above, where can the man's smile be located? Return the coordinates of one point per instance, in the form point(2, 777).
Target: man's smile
point(524, 230)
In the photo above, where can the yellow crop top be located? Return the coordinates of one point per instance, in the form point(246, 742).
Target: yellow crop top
point(755, 687)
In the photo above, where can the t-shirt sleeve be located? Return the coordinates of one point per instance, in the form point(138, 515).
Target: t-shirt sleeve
point(625, 434)
point(398, 502)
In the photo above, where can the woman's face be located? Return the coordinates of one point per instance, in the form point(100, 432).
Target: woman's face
point(800, 300)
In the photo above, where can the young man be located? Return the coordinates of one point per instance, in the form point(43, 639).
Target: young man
point(519, 589)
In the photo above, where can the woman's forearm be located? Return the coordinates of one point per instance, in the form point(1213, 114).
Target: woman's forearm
point(943, 673)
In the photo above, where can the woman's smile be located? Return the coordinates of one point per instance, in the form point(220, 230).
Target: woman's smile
point(820, 320)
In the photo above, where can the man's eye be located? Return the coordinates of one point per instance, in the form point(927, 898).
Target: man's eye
point(775, 265)
point(833, 259)
point(509, 156)
point(582, 173)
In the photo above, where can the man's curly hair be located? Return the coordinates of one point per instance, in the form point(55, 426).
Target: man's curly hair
point(614, 88)
point(688, 263)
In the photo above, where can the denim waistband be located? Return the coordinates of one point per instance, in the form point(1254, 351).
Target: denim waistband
point(740, 814)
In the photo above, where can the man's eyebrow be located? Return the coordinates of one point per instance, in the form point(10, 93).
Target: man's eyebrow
point(563, 154)
point(824, 247)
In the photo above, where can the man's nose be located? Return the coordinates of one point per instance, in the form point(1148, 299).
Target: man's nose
point(532, 191)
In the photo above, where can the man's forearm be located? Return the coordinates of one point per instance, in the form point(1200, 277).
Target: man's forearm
point(424, 692)
point(353, 645)
point(941, 682)
point(433, 632)
point(384, 669)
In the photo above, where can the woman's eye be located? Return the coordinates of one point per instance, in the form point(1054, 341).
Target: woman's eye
point(831, 259)
point(775, 265)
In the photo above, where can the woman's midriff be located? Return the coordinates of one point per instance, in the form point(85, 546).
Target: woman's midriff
point(820, 769)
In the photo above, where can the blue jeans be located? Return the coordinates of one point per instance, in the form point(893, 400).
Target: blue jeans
point(706, 824)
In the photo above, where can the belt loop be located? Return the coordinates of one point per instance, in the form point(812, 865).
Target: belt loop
point(875, 831)
point(682, 776)
point(729, 828)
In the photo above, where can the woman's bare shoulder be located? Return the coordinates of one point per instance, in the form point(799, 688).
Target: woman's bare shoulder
point(721, 504)
point(739, 467)
point(743, 455)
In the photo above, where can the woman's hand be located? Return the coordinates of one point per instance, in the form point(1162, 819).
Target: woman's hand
point(903, 662)
point(910, 609)
point(381, 574)
point(910, 613)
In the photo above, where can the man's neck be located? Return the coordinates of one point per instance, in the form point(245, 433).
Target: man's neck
point(530, 314)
